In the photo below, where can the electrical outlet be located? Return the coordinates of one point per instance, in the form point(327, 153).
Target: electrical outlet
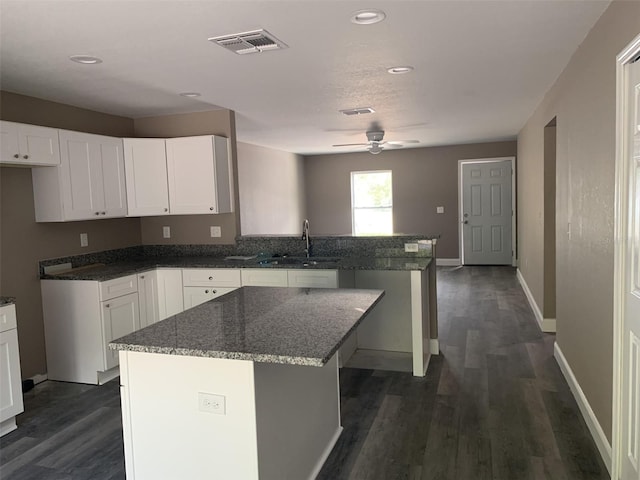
point(166, 232)
point(410, 247)
point(216, 231)
point(212, 403)
point(84, 240)
point(439, 209)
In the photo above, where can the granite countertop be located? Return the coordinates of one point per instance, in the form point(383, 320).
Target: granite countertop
point(123, 268)
point(7, 301)
point(297, 326)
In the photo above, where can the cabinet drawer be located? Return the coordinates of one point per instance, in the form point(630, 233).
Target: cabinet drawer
point(194, 296)
point(118, 287)
point(7, 318)
point(264, 278)
point(313, 278)
point(211, 277)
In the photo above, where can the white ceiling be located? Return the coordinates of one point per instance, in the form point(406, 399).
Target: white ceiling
point(481, 67)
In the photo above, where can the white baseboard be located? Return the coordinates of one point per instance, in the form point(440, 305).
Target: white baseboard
point(604, 447)
point(448, 262)
point(39, 378)
point(434, 346)
point(546, 324)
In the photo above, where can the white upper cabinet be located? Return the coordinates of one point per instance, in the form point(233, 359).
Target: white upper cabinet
point(199, 174)
point(28, 145)
point(145, 163)
point(89, 184)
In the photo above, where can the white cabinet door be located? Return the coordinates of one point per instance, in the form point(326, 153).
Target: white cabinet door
point(148, 298)
point(312, 278)
point(10, 381)
point(120, 316)
point(199, 173)
point(263, 277)
point(170, 301)
point(194, 296)
point(28, 145)
point(92, 176)
point(145, 162)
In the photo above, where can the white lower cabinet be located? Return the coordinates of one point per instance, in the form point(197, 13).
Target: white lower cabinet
point(120, 317)
point(262, 277)
point(160, 293)
point(194, 296)
point(10, 380)
point(204, 284)
point(80, 319)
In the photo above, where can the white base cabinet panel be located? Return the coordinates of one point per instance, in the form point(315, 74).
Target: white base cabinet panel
point(280, 421)
point(79, 324)
point(160, 295)
point(11, 403)
point(312, 278)
point(257, 277)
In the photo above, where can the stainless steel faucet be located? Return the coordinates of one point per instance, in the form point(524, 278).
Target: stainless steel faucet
point(305, 237)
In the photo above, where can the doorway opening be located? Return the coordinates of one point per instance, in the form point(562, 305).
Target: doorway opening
point(549, 235)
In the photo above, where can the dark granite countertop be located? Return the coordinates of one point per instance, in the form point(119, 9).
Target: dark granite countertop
point(123, 268)
point(297, 326)
point(7, 301)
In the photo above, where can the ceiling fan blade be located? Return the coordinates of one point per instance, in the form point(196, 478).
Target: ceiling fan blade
point(351, 145)
point(401, 142)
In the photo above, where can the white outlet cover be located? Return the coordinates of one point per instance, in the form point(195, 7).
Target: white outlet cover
point(216, 231)
point(212, 403)
point(439, 209)
point(84, 240)
point(410, 247)
point(166, 232)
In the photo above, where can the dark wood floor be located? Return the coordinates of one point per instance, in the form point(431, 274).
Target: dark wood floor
point(494, 405)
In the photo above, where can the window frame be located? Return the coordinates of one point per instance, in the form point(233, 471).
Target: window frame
point(353, 207)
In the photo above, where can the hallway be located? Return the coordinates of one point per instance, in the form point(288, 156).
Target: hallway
point(494, 405)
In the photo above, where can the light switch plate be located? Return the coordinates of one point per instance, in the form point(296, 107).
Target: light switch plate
point(84, 240)
point(216, 231)
point(439, 209)
point(166, 232)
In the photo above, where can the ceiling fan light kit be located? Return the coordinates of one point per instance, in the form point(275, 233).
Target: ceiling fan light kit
point(375, 143)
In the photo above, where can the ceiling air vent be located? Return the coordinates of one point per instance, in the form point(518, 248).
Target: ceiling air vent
point(357, 111)
point(249, 42)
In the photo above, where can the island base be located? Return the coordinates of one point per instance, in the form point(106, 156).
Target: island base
point(272, 421)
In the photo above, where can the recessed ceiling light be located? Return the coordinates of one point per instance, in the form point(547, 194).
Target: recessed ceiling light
point(190, 94)
point(368, 17)
point(85, 59)
point(399, 70)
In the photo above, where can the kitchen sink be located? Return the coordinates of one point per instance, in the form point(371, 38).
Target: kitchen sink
point(304, 261)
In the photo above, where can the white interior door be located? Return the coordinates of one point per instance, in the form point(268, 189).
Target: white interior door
point(487, 212)
point(630, 448)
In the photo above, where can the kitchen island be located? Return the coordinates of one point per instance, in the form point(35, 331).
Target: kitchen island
point(243, 386)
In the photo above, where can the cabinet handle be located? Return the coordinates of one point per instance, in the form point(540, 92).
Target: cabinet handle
point(141, 276)
point(211, 208)
point(210, 278)
point(206, 291)
point(97, 213)
point(25, 157)
point(166, 209)
point(103, 213)
point(107, 305)
point(16, 155)
point(213, 291)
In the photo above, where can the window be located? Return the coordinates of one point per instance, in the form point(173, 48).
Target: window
point(371, 203)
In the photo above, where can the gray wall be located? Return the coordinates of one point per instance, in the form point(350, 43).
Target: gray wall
point(583, 101)
point(271, 190)
point(23, 242)
point(423, 178)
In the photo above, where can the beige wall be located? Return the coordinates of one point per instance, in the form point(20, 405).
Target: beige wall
point(192, 229)
point(423, 178)
point(583, 100)
point(23, 242)
point(271, 191)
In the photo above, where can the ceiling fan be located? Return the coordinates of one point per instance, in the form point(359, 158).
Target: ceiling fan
point(375, 142)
